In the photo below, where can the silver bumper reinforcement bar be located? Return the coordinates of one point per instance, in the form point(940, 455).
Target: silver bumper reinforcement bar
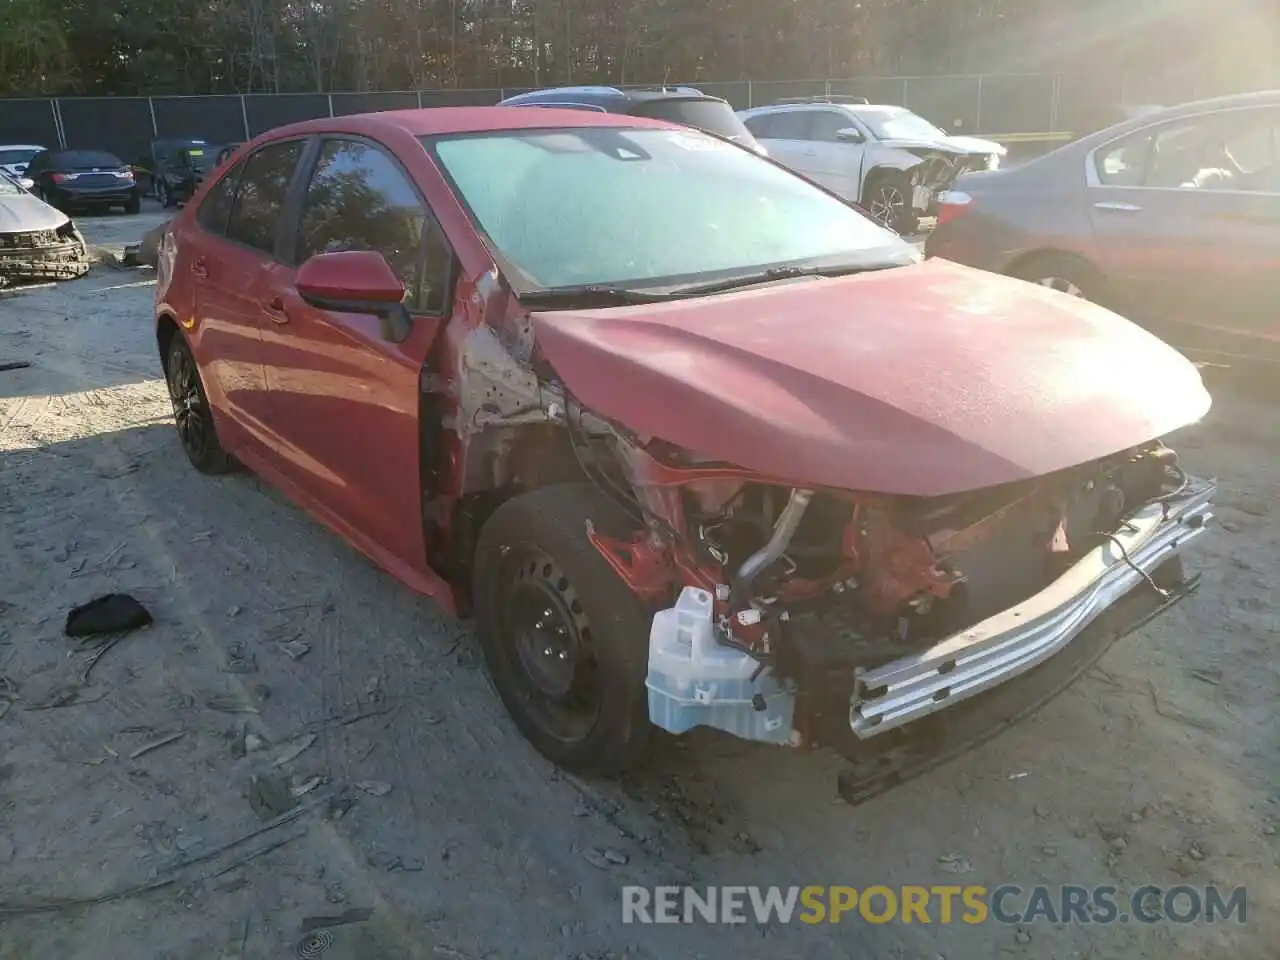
point(1017, 639)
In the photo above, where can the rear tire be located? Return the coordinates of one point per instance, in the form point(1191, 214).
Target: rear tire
point(191, 411)
point(565, 640)
point(133, 205)
point(887, 196)
point(1065, 273)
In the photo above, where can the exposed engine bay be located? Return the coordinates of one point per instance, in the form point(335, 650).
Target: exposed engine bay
point(57, 254)
point(816, 587)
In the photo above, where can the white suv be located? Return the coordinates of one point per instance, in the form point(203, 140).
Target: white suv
point(886, 158)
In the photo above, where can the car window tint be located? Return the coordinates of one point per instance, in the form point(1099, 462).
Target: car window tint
point(1124, 163)
point(259, 203)
point(761, 127)
point(215, 208)
point(826, 124)
point(359, 199)
point(791, 125)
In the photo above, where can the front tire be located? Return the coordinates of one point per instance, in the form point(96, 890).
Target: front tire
point(888, 198)
point(565, 640)
point(191, 411)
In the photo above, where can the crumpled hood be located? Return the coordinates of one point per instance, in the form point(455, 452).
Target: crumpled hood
point(25, 212)
point(949, 144)
point(923, 380)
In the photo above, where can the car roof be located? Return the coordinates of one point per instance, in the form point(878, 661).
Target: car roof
point(22, 146)
point(605, 94)
point(439, 121)
point(825, 105)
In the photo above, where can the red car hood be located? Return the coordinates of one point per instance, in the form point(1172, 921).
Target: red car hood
point(923, 380)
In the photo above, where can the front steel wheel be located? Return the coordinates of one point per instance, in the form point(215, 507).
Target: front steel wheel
point(565, 640)
point(191, 412)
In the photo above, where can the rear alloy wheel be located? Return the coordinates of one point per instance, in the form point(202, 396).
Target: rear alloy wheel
point(888, 200)
point(565, 640)
point(1064, 273)
point(191, 412)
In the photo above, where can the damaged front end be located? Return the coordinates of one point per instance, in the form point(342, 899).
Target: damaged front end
point(863, 621)
point(59, 253)
point(936, 170)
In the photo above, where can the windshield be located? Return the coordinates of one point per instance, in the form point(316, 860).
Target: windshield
point(648, 208)
point(8, 188)
point(18, 154)
point(85, 160)
point(713, 116)
point(891, 123)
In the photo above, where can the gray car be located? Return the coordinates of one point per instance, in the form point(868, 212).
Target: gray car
point(1171, 218)
point(37, 242)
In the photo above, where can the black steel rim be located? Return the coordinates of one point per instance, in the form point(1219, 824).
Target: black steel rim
point(190, 411)
point(544, 631)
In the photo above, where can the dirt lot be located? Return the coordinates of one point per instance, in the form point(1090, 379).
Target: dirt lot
point(1162, 766)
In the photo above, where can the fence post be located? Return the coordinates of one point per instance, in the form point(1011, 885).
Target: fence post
point(57, 123)
point(151, 108)
point(751, 100)
point(977, 117)
point(330, 106)
point(244, 118)
point(1053, 103)
point(418, 91)
point(906, 84)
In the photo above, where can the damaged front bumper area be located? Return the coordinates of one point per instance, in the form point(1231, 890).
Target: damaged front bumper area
point(59, 254)
point(1016, 640)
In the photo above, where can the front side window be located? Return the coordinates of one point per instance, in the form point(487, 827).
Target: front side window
point(827, 125)
point(259, 202)
point(359, 199)
point(895, 123)
point(650, 208)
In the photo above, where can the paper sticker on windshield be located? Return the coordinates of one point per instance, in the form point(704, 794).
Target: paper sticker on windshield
point(686, 142)
point(196, 153)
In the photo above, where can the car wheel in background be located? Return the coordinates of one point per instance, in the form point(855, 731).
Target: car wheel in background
point(565, 640)
point(1065, 273)
point(887, 197)
point(191, 412)
point(133, 205)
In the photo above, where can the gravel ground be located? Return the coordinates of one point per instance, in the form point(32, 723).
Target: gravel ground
point(279, 659)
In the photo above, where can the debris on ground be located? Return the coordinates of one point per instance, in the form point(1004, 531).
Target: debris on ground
point(605, 857)
point(375, 788)
point(293, 750)
point(296, 649)
point(14, 365)
point(269, 796)
point(110, 613)
point(157, 744)
point(353, 915)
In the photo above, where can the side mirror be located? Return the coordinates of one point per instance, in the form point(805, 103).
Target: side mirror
point(849, 135)
point(356, 281)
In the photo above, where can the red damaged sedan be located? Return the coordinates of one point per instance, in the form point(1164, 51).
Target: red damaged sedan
point(696, 442)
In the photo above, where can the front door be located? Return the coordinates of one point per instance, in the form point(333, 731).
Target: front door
point(344, 401)
point(837, 159)
point(239, 217)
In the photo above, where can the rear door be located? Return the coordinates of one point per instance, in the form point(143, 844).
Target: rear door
point(785, 134)
point(239, 217)
point(1186, 219)
point(344, 401)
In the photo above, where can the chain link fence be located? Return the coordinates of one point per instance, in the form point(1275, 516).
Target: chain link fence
point(1015, 108)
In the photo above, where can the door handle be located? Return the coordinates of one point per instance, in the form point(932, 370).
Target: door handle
point(275, 310)
point(1117, 206)
point(201, 269)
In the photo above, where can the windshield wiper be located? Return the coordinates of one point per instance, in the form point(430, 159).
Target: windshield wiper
point(591, 296)
point(777, 273)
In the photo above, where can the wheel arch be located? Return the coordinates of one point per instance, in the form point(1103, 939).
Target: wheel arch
point(166, 330)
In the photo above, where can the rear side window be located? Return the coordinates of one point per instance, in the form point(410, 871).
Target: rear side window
point(713, 116)
point(215, 208)
point(786, 125)
point(359, 199)
point(259, 201)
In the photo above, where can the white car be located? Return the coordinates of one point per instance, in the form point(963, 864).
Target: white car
point(14, 157)
point(37, 242)
point(886, 158)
